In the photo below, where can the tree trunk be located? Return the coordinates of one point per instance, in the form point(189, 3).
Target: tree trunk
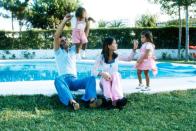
point(12, 29)
point(12, 22)
point(180, 33)
point(20, 25)
point(20, 29)
point(187, 34)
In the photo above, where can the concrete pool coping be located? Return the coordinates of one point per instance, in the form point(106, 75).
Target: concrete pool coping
point(84, 61)
point(47, 87)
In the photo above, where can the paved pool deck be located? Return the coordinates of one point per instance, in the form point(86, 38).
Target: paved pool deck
point(47, 87)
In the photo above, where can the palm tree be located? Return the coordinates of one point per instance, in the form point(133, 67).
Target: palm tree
point(168, 5)
point(117, 24)
point(186, 4)
point(102, 24)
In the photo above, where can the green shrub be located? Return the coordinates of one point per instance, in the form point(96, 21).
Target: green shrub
point(28, 55)
point(164, 38)
point(13, 56)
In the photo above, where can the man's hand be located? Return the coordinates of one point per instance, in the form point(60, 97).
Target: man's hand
point(59, 31)
point(67, 17)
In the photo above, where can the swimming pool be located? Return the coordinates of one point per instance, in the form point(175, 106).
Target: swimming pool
point(36, 70)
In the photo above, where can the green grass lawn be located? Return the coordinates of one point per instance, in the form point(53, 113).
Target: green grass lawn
point(165, 111)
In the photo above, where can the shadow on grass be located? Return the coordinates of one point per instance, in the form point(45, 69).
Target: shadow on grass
point(41, 102)
point(163, 111)
point(30, 103)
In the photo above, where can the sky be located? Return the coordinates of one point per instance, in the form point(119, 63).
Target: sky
point(122, 9)
point(108, 10)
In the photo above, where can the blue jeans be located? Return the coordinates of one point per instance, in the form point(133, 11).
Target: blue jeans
point(66, 83)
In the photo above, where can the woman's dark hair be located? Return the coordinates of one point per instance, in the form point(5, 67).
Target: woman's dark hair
point(105, 49)
point(80, 11)
point(148, 36)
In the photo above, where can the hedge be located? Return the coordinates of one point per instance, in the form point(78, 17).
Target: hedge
point(164, 38)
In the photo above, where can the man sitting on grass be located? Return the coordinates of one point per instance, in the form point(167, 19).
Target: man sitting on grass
point(67, 80)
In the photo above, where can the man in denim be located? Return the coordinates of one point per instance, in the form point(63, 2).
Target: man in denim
point(67, 80)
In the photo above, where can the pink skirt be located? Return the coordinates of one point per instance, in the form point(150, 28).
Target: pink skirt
point(78, 37)
point(148, 64)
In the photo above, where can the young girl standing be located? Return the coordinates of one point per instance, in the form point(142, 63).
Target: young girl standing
point(79, 22)
point(146, 60)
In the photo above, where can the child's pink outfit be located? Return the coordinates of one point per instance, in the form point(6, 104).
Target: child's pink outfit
point(78, 31)
point(149, 62)
point(111, 89)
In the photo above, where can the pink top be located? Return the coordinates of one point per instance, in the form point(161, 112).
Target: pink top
point(112, 68)
point(149, 62)
point(76, 24)
point(147, 46)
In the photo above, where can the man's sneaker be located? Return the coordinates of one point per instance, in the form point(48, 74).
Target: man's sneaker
point(95, 103)
point(75, 106)
point(147, 88)
point(140, 86)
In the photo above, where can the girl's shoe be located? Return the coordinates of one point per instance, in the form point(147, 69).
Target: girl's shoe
point(78, 57)
point(140, 86)
point(83, 54)
point(147, 88)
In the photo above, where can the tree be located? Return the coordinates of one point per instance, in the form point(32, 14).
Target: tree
point(146, 21)
point(172, 8)
point(168, 5)
point(47, 14)
point(116, 24)
point(192, 21)
point(16, 8)
point(186, 4)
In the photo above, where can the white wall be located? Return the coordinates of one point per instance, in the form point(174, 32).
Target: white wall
point(90, 54)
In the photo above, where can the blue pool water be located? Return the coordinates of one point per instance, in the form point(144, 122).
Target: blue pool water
point(46, 70)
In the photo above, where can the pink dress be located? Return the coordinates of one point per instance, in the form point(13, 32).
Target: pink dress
point(149, 62)
point(78, 31)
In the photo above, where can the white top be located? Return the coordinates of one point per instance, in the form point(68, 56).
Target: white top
point(66, 61)
point(101, 66)
point(76, 24)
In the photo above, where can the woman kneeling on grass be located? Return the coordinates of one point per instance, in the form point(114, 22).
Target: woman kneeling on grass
point(110, 81)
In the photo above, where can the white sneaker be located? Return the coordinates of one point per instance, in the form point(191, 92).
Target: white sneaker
point(147, 88)
point(78, 57)
point(140, 86)
point(83, 54)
